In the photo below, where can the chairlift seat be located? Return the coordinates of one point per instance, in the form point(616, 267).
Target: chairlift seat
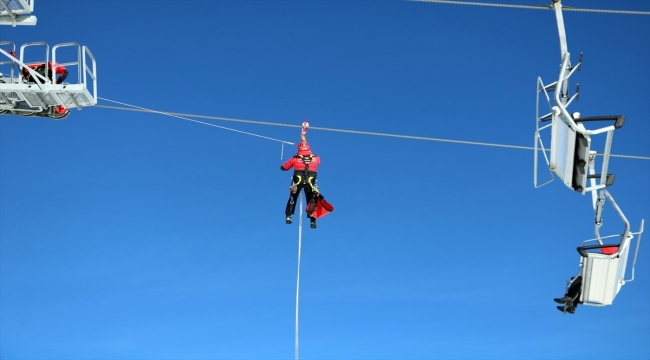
point(570, 154)
point(602, 274)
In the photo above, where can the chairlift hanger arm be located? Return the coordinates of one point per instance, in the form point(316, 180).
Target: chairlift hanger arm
point(564, 47)
point(599, 205)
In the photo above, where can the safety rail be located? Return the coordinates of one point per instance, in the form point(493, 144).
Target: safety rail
point(36, 76)
point(87, 71)
point(74, 63)
point(8, 62)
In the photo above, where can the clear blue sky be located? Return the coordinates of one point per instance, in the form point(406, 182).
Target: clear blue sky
point(137, 236)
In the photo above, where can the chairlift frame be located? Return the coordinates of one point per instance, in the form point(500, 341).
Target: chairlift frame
point(573, 160)
point(570, 147)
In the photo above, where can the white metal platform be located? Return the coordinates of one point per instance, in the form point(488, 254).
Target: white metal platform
point(19, 97)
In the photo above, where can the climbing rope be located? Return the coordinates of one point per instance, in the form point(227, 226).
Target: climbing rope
point(298, 276)
point(410, 137)
point(535, 7)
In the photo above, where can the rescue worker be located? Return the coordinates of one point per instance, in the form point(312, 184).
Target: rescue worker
point(305, 167)
point(61, 71)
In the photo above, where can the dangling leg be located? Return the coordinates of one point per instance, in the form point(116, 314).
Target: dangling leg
point(310, 194)
point(294, 191)
point(571, 297)
point(574, 292)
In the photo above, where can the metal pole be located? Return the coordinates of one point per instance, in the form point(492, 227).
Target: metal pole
point(564, 48)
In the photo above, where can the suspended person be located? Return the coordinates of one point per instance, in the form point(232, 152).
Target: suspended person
point(46, 72)
point(305, 167)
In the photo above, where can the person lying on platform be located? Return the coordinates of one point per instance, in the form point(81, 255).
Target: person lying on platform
point(61, 71)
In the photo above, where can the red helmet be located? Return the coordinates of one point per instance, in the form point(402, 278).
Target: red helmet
point(303, 148)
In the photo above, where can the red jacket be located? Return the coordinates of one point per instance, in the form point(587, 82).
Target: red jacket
point(298, 163)
point(60, 70)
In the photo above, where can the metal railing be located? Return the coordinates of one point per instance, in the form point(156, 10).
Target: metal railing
point(25, 65)
point(10, 61)
point(87, 71)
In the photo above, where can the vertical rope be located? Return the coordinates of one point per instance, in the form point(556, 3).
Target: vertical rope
point(298, 277)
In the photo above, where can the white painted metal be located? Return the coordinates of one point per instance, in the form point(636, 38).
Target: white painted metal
point(539, 144)
point(573, 160)
point(603, 275)
point(565, 129)
point(20, 97)
point(16, 12)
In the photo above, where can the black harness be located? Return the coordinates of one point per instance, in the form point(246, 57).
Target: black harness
point(306, 160)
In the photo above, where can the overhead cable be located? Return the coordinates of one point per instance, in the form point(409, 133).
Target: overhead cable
point(535, 7)
point(409, 137)
point(179, 116)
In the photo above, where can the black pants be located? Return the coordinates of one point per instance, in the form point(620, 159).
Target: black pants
point(47, 73)
point(574, 290)
point(301, 182)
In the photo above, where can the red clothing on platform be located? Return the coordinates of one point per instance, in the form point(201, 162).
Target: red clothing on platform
point(59, 69)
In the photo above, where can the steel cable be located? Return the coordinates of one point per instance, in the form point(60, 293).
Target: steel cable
point(535, 7)
point(409, 137)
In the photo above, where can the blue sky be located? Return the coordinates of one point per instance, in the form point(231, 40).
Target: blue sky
point(137, 236)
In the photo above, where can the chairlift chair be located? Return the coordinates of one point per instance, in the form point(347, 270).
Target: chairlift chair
point(571, 142)
point(572, 158)
point(603, 274)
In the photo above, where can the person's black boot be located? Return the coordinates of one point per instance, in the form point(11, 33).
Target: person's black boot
point(288, 220)
point(312, 223)
point(564, 300)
